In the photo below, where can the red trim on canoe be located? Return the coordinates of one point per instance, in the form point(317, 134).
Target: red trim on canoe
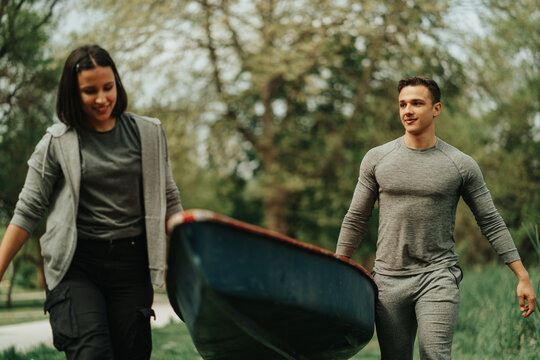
point(200, 215)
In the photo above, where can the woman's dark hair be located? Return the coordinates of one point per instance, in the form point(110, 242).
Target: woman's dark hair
point(427, 82)
point(68, 102)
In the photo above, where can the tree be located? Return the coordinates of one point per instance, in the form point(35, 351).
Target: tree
point(28, 77)
point(504, 78)
point(294, 90)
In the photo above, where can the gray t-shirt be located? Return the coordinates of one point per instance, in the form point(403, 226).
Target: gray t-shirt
point(418, 192)
point(110, 205)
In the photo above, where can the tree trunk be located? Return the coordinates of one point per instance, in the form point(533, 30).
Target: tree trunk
point(275, 209)
point(12, 282)
point(39, 267)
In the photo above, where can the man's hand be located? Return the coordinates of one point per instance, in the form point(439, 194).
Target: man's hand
point(527, 298)
point(525, 290)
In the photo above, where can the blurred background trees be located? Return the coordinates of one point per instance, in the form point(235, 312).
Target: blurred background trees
point(503, 94)
point(269, 106)
point(290, 94)
point(28, 80)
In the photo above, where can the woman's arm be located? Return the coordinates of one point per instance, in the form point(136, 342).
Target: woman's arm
point(43, 173)
point(13, 240)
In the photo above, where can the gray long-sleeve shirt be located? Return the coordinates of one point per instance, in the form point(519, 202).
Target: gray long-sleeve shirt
point(418, 192)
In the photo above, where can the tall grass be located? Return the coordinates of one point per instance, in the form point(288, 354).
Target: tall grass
point(534, 237)
point(490, 325)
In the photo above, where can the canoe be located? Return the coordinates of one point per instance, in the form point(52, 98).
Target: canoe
point(249, 293)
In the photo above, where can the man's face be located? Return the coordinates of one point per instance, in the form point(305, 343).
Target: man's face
point(417, 111)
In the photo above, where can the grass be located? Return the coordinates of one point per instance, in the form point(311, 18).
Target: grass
point(21, 315)
point(22, 310)
point(490, 326)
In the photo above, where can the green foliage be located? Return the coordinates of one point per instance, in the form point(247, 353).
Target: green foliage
point(26, 276)
point(28, 78)
point(534, 237)
point(505, 89)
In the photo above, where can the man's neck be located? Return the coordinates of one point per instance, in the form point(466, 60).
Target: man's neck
point(424, 141)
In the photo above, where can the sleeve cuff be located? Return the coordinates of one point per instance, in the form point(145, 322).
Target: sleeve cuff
point(510, 257)
point(23, 222)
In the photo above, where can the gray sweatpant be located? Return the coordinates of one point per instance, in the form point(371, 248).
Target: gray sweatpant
point(427, 302)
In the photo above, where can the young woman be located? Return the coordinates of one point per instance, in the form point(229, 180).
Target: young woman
point(102, 176)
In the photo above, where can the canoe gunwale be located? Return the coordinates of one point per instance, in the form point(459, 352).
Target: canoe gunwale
point(198, 215)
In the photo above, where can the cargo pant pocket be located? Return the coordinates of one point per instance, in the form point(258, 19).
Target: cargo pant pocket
point(457, 273)
point(61, 316)
point(143, 324)
point(147, 313)
point(139, 347)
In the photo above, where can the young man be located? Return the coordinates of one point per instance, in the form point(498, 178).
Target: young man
point(418, 180)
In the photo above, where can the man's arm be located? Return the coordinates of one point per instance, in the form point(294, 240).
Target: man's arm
point(356, 220)
point(525, 290)
point(477, 197)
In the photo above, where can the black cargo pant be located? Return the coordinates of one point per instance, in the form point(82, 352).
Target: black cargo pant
point(102, 307)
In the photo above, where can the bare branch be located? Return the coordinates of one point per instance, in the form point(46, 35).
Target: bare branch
point(11, 36)
point(267, 94)
point(248, 135)
point(211, 48)
point(216, 75)
point(234, 35)
point(3, 5)
point(46, 17)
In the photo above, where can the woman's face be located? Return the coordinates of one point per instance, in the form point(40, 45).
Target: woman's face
point(97, 88)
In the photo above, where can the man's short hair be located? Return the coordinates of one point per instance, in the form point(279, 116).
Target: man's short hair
point(420, 80)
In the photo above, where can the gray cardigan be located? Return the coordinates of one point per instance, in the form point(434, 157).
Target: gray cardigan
point(56, 191)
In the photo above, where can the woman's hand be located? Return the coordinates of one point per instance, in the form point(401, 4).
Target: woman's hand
point(174, 220)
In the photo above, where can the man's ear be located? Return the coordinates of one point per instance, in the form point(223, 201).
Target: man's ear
point(437, 109)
